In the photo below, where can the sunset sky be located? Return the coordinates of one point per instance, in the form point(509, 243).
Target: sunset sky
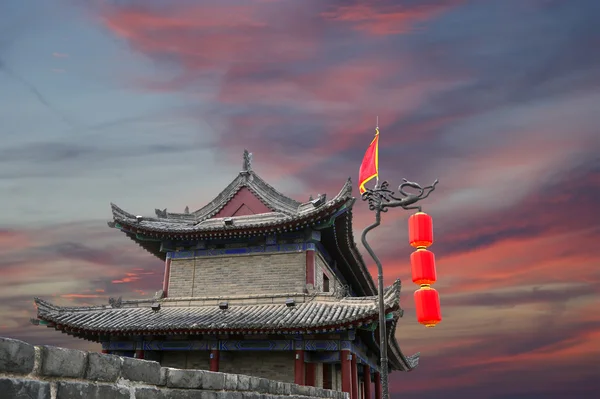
point(150, 104)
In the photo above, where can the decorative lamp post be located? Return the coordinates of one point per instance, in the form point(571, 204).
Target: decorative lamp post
point(420, 228)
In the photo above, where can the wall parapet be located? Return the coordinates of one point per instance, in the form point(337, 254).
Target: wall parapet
point(44, 372)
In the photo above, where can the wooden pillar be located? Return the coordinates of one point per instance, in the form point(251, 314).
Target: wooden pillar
point(354, 394)
point(346, 357)
point(299, 368)
point(167, 275)
point(214, 360)
point(311, 374)
point(367, 378)
point(377, 386)
point(310, 268)
point(139, 354)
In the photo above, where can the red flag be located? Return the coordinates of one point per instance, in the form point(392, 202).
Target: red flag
point(369, 168)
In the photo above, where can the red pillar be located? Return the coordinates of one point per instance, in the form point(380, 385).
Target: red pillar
point(139, 354)
point(299, 368)
point(214, 360)
point(367, 378)
point(167, 274)
point(346, 371)
point(354, 394)
point(310, 267)
point(377, 386)
point(311, 374)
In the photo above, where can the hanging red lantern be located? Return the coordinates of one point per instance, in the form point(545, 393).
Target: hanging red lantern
point(427, 304)
point(423, 267)
point(420, 230)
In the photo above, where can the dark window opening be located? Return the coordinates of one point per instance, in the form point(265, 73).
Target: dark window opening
point(325, 283)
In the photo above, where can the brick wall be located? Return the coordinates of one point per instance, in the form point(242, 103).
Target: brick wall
point(235, 275)
point(277, 366)
point(322, 268)
point(197, 360)
point(56, 373)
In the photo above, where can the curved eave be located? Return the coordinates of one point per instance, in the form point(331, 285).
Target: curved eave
point(398, 360)
point(271, 198)
point(165, 230)
point(74, 320)
point(341, 237)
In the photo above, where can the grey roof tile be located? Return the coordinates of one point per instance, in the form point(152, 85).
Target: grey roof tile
point(285, 210)
point(317, 312)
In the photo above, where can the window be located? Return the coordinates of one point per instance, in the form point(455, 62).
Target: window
point(325, 283)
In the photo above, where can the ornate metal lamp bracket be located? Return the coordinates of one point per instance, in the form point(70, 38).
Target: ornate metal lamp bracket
point(381, 197)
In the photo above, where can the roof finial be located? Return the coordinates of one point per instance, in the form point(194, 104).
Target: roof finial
point(247, 166)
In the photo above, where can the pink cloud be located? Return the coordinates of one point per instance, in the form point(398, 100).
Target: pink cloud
point(387, 20)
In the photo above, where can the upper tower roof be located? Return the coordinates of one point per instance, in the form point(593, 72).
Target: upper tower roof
point(253, 203)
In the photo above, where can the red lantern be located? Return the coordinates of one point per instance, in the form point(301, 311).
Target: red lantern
point(420, 230)
point(423, 267)
point(427, 304)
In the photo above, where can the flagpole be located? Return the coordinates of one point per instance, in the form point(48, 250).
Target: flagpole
point(377, 129)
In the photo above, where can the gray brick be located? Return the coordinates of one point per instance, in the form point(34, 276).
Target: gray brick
point(103, 367)
point(231, 382)
point(300, 390)
point(189, 379)
point(16, 356)
point(213, 381)
point(183, 394)
point(62, 362)
point(262, 385)
point(141, 370)
point(251, 395)
point(229, 395)
point(24, 389)
point(151, 393)
point(164, 372)
point(243, 382)
point(79, 390)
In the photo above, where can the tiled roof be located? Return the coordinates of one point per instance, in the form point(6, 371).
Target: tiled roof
point(310, 313)
point(203, 222)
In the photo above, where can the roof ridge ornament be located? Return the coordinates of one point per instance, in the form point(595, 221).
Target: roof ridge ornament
point(247, 165)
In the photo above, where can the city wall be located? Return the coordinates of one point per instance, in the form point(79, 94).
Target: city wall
point(47, 372)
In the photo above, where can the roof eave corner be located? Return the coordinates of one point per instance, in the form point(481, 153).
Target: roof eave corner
point(346, 190)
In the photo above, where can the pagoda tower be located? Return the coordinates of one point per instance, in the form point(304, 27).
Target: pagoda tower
point(255, 283)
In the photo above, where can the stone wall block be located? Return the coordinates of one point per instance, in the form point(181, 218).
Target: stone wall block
point(151, 393)
point(229, 395)
point(85, 390)
point(62, 362)
point(16, 356)
point(251, 395)
point(188, 379)
point(103, 367)
point(243, 382)
point(213, 381)
point(301, 390)
point(164, 373)
point(20, 388)
point(231, 382)
point(182, 394)
point(141, 370)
